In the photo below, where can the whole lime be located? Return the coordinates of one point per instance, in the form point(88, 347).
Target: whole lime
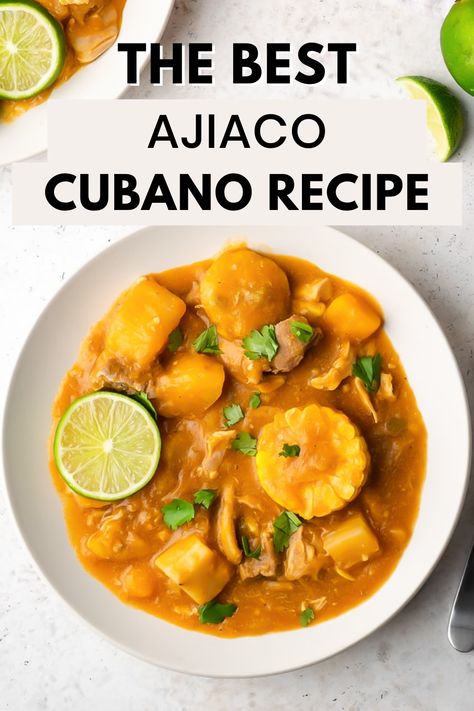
point(457, 43)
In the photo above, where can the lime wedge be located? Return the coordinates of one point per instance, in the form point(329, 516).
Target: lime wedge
point(32, 49)
point(444, 113)
point(107, 446)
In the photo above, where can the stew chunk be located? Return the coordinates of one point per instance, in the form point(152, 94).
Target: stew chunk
point(189, 385)
point(243, 290)
point(323, 466)
point(196, 568)
point(141, 321)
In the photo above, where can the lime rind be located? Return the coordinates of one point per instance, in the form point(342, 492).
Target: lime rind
point(444, 112)
point(106, 446)
point(40, 49)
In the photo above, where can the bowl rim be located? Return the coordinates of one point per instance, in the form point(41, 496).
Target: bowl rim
point(272, 669)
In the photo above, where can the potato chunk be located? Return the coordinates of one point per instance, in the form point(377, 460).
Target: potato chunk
point(189, 385)
point(198, 570)
point(141, 321)
point(352, 317)
point(329, 470)
point(243, 290)
point(351, 542)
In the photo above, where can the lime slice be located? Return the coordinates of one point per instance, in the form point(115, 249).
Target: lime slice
point(444, 113)
point(32, 49)
point(107, 446)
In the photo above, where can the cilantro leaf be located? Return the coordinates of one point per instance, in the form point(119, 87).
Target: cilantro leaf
point(175, 339)
point(261, 344)
point(306, 617)
point(207, 341)
point(215, 612)
point(255, 401)
point(290, 450)
point(368, 369)
point(245, 443)
point(283, 528)
point(233, 414)
point(247, 552)
point(177, 513)
point(302, 331)
point(205, 497)
point(144, 400)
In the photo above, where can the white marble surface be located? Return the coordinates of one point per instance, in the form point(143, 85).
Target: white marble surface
point(48, 659)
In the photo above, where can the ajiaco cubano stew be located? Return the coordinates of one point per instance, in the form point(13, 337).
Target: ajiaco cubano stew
point(238, 448)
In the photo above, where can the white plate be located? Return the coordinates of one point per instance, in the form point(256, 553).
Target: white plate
point(51, 349)
point(106, 78)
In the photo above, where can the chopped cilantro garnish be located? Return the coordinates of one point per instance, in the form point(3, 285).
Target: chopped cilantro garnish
point(215, 612)
point(368, 369)
point(306, 617)
point(247, 552)
point(245, 443)
point(283, 528)
point(233, 414)
point(207, 341)
point(177, 513)
point(175, 339)
point(302, 331)
point(255, 401)
point(261, 344)
point(205, 497)
point(290, 450)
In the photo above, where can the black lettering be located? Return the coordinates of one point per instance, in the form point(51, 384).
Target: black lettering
point(244, 56)
point(158, 63)
point(342, 49)
point(85, 190)
point(202, 196)
point(258, 131)
point(234, 121)
point(332, 188)
point(383, 191)
point(221, 188)
point(306, 60)
point(162, 197)
point(274, 63)
point(163, 122)
point(124, 187)
point(297, 124)
point(132, 49)
point(196, 63)
point(308, 190)
point(280, 187)
point(414, 191)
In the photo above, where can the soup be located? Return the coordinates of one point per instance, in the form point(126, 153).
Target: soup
point(90, 28)
point(292, 450)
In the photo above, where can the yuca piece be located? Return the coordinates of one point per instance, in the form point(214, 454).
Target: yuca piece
point(327, 472)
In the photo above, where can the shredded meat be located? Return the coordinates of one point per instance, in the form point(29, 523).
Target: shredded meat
point(109, 372)
point(364, 397)
point(242, 368)
point(226, 538)
point(217, 444)
point(339, 371)
point(301, 558)
point(266, 565)
point(385, 391)
point(291, 350)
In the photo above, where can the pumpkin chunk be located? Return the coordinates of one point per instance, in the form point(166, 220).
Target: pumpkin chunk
point(352, 542)
point(350, 316)
point(141, 321)
point(196, 568)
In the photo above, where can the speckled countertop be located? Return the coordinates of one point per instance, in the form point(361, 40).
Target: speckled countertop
point(48, 659)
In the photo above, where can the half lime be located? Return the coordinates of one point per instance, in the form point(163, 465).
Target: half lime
point(107, 446)
point(32, 49)
point(444, 112)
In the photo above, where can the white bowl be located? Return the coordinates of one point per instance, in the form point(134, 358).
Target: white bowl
point(52, 348)
point(106, 78)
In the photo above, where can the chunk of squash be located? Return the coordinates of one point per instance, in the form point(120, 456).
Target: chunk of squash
point(350, 316)
point(141, 321)
point(196, 568)
point(352, 542)
point(243, 290)
point(189, 385)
